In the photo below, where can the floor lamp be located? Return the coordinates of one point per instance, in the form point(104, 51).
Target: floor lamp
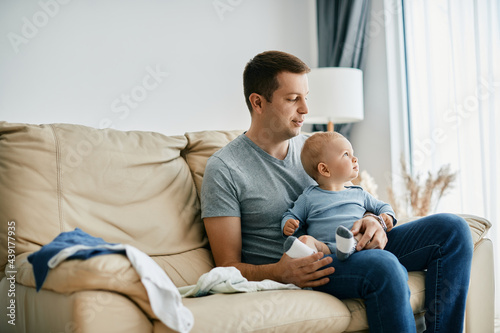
point(335, 96)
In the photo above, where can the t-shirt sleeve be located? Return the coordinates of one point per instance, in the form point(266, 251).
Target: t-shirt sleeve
point(219, 196)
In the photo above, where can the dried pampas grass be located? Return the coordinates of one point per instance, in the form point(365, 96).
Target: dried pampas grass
point(421, 199)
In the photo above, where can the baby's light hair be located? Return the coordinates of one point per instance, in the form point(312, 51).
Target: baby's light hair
point(314, 149)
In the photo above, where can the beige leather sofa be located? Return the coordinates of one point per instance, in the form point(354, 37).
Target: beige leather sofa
point(142, 188)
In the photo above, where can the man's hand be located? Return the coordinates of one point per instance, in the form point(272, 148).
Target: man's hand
point(224, 234)
point(290, 226)
point(374, 236)
point(389, 221)
point(304, 272)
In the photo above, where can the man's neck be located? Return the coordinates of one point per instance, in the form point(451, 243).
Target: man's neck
point(275, 147)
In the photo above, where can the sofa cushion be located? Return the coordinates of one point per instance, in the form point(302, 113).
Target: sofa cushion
point(267, 311)
point(201, 145)
point(115, 273)
point(86, 311)
point(126, 187)
point(478, 226)
point(112, 272)
point(184, 269)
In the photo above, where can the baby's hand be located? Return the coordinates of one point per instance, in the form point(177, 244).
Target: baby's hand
point(290, 226)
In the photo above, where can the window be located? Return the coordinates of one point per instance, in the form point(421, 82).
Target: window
point(453, 73)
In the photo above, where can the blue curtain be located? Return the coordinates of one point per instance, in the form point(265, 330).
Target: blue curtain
point(342, 28)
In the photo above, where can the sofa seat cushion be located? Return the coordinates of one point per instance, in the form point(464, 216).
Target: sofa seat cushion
point(287, 311)
point(259, 310)
point(270, 311)
point(84, 312)
point(112, 272)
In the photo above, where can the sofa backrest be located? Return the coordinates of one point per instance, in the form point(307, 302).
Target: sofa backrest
point(200, 146)
point(125, 187)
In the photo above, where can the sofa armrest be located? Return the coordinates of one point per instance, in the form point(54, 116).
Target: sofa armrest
point(479, 314)
point(478, 226)
point(480, 308)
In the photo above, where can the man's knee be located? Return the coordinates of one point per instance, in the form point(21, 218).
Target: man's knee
point(458, 238)
point(387, 272)
point(455, 225)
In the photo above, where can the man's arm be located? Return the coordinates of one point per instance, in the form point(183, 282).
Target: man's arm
point(224, 235)
point(374, 236)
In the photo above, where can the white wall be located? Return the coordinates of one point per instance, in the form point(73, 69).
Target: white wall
point(169, 66)
point(90, 62)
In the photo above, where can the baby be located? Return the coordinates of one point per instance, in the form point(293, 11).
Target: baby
point(331, 205)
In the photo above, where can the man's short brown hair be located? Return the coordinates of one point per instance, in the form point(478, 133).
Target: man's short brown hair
point(260, 74)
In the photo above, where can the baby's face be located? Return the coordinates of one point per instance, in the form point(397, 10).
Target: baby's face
point(341, 160)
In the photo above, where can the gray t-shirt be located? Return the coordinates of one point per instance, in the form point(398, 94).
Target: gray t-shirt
point(243, 180)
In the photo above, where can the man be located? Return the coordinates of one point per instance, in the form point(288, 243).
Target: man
point(252, 181)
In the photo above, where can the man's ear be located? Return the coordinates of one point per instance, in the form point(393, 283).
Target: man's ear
point(323, 169)
point(256, 101)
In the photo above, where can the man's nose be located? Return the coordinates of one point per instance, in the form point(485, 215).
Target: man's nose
point(304, 109)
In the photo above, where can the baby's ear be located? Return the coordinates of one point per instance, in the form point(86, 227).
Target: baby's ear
point(323, 169)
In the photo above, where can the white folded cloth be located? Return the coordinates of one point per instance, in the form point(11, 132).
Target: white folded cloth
point(226, 280)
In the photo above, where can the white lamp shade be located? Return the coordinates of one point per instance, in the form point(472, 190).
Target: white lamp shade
point(335, 94)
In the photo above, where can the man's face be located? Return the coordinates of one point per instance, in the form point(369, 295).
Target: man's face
point(286, 112)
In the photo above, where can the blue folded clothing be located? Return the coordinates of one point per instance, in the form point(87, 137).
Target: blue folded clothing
point(96, 246)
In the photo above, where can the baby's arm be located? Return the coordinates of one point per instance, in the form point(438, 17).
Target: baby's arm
point(290, 226)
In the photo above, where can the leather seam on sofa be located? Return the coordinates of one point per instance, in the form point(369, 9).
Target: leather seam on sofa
point(59, 179)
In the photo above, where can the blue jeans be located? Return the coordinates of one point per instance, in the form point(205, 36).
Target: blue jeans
point(440, 244)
